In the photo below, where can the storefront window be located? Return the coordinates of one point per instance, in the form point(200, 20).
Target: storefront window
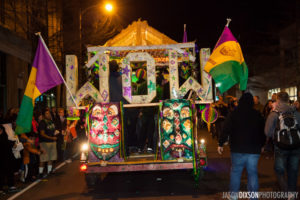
point(292, 91)
point(272, 91)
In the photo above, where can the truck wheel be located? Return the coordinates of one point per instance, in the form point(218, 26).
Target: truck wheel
point(91, 179)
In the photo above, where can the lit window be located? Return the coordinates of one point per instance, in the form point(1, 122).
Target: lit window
point(272, 91)
point(292, 91)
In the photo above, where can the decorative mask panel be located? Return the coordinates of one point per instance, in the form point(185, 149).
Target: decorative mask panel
point(177, 126)
point(105, 130)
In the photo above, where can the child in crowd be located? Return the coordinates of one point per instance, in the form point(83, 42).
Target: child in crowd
point(29, 158)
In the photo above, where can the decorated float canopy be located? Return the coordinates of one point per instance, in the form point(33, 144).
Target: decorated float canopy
point(140, 45)
point(137, 34)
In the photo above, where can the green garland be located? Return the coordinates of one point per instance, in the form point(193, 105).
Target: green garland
point(122, 145)
point(193, 145)
point(87, 120)
point(73, 118)
point(196, 169)
point(159, 131)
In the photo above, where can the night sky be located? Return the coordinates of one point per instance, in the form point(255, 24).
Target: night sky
point(205, 19)
point(255, 23)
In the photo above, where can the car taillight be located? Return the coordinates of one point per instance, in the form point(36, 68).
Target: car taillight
point(202, 161)
point(83, 167)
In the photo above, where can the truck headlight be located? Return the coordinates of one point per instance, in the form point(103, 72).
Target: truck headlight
point(202, 144)
point(84, 147)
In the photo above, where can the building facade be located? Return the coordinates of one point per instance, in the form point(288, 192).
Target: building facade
point(19, 21)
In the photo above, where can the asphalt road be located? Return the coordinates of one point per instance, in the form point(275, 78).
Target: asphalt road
point(68, 183)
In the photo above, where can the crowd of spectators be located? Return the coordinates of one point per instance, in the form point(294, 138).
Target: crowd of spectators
point(252, 129)
point(31, 156)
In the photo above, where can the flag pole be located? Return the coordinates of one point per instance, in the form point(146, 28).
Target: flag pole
point(184, 34)
point(227, 24)
point(228, 21)
point(39, 34)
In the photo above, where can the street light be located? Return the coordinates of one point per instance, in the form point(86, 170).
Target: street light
point(108, 8)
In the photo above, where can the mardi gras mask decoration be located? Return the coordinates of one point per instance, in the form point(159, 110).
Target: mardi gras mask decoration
point(105, 130)
point(176, 124)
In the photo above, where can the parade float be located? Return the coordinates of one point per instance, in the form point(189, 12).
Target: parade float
point(179, 145)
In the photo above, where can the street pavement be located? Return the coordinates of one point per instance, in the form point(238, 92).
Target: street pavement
point(67, 183)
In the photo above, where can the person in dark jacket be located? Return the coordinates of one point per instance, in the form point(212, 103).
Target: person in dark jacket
point(145, 122)
point(7, 161)
point(245, 128)
point(222, 109)
point(60, 126)
point(115, 82)
point(54, 114)
point(257, 105)
point(285, 160)
point(47, 143)
point(267, 109)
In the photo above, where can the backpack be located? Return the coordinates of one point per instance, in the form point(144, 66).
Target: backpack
point(287, 132)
